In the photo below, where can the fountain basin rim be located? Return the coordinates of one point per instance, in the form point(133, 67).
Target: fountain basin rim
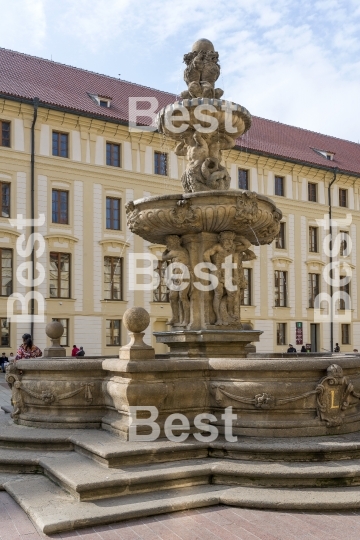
point(202, 194)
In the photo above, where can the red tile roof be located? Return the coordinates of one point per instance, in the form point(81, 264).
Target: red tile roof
point(25, 77)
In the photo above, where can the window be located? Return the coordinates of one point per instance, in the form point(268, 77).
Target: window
point(59, 275)
point(281, 333)
point(113, 154)
point(313, 240)
point(113, 213)
point(245, 298)
point(5, 332)
point(314, 288)
point(345, 295)
point(6, 272)
point(161, 293)
point(343, 244)
point(280, 239)
point(64, 340)
point(327, 155)
point(160, 163)
point(243, 177)
point(60, 144)
point(60, 206)
point(279, 186)
point(280, 288)
point(345, 334)
point(5, 199)
point(343, 197)
point(5, 134)
point(312, 192)
point(113, 278)
point(113, 332)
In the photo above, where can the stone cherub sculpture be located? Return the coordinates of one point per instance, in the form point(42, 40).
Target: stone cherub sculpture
point(179, 295)
point(204, 171)
point(202, 71)
point(226, 301)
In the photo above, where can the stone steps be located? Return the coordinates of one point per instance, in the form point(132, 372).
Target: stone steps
point(53, 510)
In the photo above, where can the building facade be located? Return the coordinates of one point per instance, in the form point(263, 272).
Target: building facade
point(87, 164)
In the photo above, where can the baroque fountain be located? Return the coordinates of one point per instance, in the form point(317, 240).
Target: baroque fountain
point(208, 223)
point(285, 413)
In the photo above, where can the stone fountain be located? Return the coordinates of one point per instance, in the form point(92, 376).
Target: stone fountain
point(273, 401)
point(208, 230)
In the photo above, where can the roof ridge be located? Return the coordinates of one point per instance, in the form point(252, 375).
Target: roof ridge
point(86, 70)
point(308, 131)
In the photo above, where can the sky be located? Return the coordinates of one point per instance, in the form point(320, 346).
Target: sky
point(292, 61)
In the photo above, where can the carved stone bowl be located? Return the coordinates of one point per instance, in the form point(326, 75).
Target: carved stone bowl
point(246, 213)
point(224, 112)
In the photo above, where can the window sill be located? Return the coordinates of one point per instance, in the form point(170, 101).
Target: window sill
point(59, 299)
point(114, 300)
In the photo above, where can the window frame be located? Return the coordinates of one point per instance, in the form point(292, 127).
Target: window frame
point(281, 235)
point(347, 340)
point(2, 122)
point(276, 183)
point(278, 286)
point(343, 239)
point(66, 329)
point(121, 292)
point(111, 162)
point(246, 171)
point(158, 295)
point(315, 243)
point(346, 289)
point(312, 195)
point(60, 133)
point(313, 288)
point(59, 253)
point(278, 333)
point(249, 279)
point(12, 271)
point(59, 191)
point(9, 332)
point(343, 192)
point(8, 185)
point(110, 198)
point(112, 332)
point(157, 166)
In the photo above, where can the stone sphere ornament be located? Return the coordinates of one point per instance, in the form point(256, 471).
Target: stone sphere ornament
point(136, 319)
point(203, 44)
point(54, 330)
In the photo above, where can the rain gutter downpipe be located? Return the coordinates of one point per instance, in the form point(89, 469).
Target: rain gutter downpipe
point(335, 171)
point(32, 212)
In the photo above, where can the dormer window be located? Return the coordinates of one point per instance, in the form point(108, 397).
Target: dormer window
point(100, 100)
point(325, 154)
point(104, 102)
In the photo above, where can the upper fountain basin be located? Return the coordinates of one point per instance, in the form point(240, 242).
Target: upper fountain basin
point(205, 115)
point(246, 213)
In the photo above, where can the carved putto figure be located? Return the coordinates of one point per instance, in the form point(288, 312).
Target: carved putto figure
point(202, 71)
point(204, 171)
point(179, 291)
point(226, 301)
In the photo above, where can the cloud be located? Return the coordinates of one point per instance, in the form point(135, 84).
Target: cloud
point(296, 62)
point(23, 24)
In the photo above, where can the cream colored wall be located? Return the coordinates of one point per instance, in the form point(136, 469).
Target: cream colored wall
point(88, 180)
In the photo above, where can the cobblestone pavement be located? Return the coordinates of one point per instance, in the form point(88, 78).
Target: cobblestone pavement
point(212, 523)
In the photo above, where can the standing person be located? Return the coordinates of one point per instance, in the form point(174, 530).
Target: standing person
point(81, 352)
point(11, 357)
point(337, 347)
point(74, 351)
point(3, 359)
point(291, 349)
point(27, 349)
